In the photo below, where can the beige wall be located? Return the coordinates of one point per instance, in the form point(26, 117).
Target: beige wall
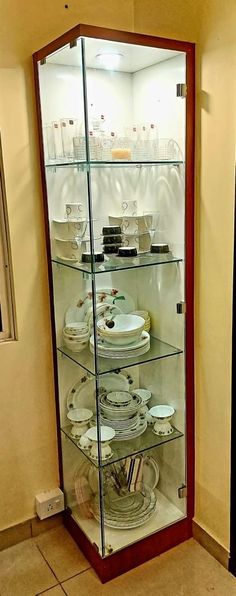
point(27, 443)
point(216, 58)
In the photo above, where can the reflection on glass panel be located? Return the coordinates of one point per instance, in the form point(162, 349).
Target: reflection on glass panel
point(62, 103)
point(133, 111)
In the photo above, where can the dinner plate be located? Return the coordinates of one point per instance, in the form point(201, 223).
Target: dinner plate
point(112, 348)
point(77, 312)
point(82, 393)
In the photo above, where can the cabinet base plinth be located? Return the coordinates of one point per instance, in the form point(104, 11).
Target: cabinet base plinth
point(132, 555)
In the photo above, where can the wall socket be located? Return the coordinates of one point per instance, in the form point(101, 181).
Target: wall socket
point(49, 503)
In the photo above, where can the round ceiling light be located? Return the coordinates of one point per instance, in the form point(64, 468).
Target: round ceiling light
point(110, 60)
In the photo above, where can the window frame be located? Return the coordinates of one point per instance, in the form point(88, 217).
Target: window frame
point(7, 302)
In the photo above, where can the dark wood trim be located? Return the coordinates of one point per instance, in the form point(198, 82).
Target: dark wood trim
point(232, 561)
point(112, 35)
point(189, 272)
point(134, 554)
point(49, 263)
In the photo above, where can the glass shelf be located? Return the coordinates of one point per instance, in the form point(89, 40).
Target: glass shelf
point(122, 449)
point(158, 349)
point(86, 165)
point(118, 264)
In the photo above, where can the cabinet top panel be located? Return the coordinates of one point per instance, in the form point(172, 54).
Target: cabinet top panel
point(100, 34)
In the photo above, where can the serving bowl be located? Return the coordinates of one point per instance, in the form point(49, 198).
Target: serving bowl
point(126, 329)
point(162, 415)
point(79, 418)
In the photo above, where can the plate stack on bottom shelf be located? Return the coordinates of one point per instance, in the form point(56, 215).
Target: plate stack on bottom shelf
point(129, 499)
point(130, 511)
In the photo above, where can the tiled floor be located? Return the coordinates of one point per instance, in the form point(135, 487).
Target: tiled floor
point(51, 564)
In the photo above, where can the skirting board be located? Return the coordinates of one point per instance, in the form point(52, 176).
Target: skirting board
point(28, 529)
point(211, 545)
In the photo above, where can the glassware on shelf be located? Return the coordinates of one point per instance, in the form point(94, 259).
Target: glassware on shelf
point(57, 138)
point(95, 147)
point(121, 150)
point(79, 148)
point(69, 130)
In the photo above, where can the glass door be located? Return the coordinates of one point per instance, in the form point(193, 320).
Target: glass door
point(114, 134)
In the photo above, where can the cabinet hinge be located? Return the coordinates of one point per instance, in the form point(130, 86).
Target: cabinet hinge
point(43, 61)
point(181, 90)
point(73, 43)
point(181, 308)
point(182, 491)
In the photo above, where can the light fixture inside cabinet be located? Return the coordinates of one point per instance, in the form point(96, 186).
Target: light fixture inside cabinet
point(109, 60)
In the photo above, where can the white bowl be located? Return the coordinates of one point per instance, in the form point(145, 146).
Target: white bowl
point(79, 415)
point(163, 415)
point(119, 397)
point(68, 230)
point(74, 344)
point(127, 329)
point(68, 249)
point(106, 434)
point(162, 412)
point(76, 329)
point(79, 418)
point(143, 393)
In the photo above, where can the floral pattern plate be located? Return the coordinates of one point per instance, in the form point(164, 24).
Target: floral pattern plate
point(111, 296)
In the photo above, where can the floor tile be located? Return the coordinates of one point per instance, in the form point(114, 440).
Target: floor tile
point(183, 571)
point(23, 571)
point(57, 591)
point(61, 553)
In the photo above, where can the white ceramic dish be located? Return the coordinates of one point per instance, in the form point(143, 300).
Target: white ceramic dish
point(69, 249)
point(119, 398)
point(112, 296)
point(162, 415)
point(76, 329)
point(68, 230)
point(127, 329)
point(79, 419)
point(112, 351)
point(132, 224)
point(75, 345)
point(145, 394)
point(106, 435)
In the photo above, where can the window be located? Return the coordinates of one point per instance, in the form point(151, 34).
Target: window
point(7, 313)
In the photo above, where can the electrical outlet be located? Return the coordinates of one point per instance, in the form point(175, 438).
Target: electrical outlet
point(49, 503)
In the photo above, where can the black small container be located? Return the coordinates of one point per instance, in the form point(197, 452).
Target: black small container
point(160, 248)
point(127, 251)
point(116, 239)
point(111, 230)
point(97, 257)
point(110, 249)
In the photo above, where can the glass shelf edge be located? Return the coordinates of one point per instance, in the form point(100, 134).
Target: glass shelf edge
point(86, 165)
point(111, 269)
point(157, 442)
point(118, 365)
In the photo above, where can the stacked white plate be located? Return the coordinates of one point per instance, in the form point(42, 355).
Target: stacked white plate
point(106, 350)
point(130, 511)
point(122, 415)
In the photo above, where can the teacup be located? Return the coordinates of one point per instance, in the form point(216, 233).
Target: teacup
point(68, 230)
point(69, 249)
point(74, 210)
point(129, 207)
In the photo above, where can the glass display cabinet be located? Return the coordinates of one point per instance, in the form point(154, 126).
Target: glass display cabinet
point(116, 128)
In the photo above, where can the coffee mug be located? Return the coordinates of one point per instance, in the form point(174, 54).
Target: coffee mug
point(74, 210)
point(129, 207)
